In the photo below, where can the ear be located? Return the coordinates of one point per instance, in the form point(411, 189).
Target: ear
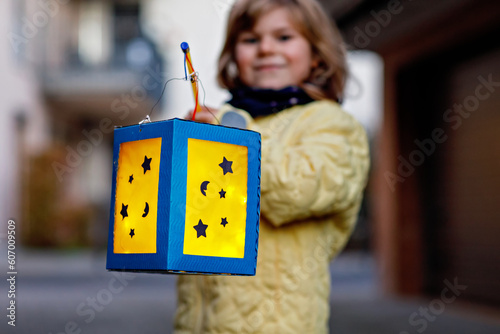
point(315, 61)
point(233, 70)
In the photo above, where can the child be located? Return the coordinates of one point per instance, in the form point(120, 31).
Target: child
point(285, 67)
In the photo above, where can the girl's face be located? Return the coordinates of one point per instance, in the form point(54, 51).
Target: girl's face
point(273, 54)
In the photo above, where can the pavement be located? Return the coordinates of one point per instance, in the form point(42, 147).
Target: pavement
point(72, 293)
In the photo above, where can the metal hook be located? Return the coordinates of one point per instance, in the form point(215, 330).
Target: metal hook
point(147, 119)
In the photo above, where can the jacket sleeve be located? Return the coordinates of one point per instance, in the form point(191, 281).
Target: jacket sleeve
point(313, 164)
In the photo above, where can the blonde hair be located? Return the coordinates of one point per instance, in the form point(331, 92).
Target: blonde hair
point(326, 80)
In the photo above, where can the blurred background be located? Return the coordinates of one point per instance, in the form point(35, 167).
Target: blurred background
point(425, 83)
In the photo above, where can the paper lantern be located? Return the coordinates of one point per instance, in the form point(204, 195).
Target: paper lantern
point(185, 199)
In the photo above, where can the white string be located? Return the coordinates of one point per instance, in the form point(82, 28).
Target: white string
point(194, 76)
point(159, 99)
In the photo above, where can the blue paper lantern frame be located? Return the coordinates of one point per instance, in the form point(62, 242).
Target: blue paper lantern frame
point(171, 214)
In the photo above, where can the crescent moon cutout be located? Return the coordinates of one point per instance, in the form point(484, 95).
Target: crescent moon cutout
point(146, 210)
point(203, 187)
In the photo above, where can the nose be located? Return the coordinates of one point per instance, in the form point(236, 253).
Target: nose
point(267, 45)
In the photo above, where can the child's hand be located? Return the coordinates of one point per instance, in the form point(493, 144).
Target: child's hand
point(205, 115)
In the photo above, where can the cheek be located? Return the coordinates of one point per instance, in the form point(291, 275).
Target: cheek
point(243, 57)
point(303, 61)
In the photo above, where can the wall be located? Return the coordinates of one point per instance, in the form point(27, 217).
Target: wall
point(21, 104)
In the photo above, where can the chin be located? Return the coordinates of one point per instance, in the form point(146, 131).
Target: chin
point(271, 85)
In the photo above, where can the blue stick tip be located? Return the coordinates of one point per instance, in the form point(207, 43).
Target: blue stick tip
point(184, 46)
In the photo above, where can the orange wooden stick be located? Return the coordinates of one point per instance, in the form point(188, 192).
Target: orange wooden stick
point(192, 75)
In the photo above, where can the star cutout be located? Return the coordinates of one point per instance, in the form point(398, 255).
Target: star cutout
point(200, 229)
point(132, 233)
point(124, 211)
point(226, 166)
point(146, 164)
point(222, 193)
point(224, 222)
point(131, 178)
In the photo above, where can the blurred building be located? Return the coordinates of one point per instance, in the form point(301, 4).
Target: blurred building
point(24, 125)
point(436, 182)
point(73, 71)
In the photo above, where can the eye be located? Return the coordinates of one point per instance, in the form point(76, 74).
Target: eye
point(284, 37)
point(249, 40)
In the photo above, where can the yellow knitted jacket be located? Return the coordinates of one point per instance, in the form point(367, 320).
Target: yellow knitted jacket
point(315, 162)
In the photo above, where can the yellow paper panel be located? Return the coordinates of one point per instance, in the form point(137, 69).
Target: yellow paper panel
point(136, 204)
point(216, 199)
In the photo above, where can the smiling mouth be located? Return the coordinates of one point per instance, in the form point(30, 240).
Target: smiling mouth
point(265, 68)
